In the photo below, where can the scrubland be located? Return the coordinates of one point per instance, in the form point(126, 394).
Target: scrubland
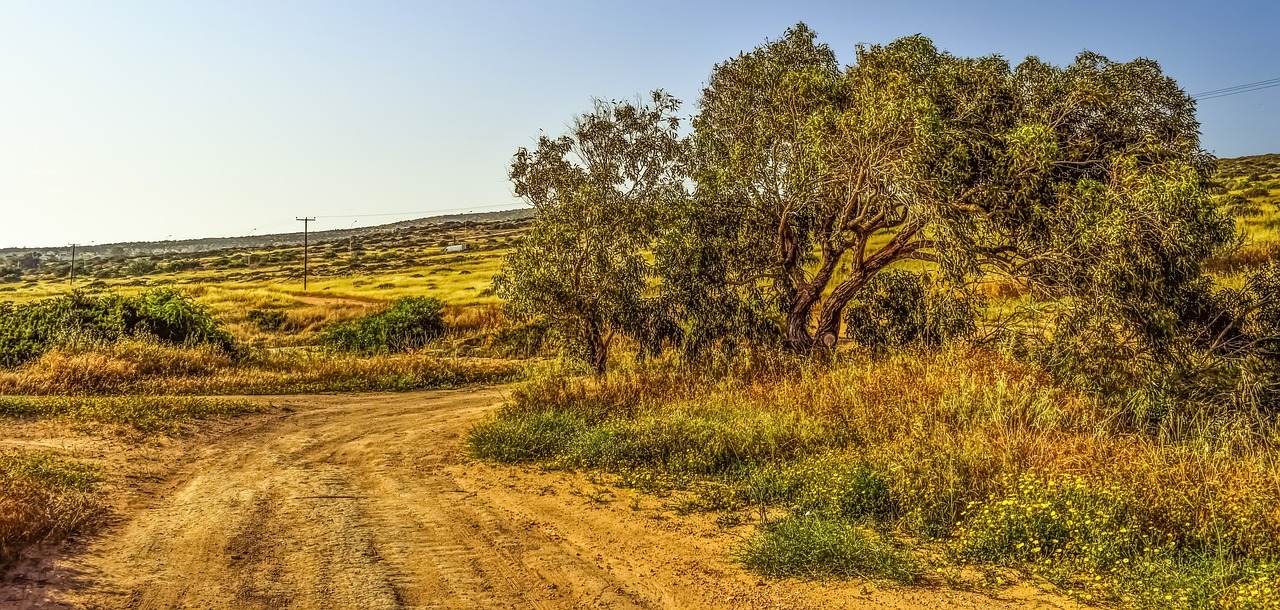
point(89, 377)
point(957, 466)
point(967, 465)
point(962, 465)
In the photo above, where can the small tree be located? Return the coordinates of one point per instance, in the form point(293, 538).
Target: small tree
point(597, 191)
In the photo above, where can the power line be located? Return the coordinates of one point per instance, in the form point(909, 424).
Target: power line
point(1238, 89)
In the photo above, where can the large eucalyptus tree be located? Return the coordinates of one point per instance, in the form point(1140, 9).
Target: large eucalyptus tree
point(1085, 180)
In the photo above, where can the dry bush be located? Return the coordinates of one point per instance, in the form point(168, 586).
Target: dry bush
point(310, 319)
point(100, 369)
point(42, 498)
point(1245, 258)
point(142, 367)
point(471, 320)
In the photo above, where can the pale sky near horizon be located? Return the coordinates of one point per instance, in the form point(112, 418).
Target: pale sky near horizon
point(147, 120)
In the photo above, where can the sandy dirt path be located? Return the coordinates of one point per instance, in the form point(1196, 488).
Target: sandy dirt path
point(368, 502)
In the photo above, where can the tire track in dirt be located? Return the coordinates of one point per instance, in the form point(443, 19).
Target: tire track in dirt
point(367, 502)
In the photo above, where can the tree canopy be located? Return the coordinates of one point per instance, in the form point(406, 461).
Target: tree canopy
point(833, 174)
point(803, 179)
point(598, 190)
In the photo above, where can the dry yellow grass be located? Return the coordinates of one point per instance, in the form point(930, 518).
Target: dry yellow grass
point(148, 367)
point(971, 456)
point(42, 497)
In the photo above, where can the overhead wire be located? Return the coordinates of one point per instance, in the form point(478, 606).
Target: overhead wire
point(1237, 89)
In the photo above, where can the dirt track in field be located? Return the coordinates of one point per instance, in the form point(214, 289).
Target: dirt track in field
point(368, 502)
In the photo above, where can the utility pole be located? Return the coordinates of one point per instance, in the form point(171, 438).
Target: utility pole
point(306, 223)
point(73, 265)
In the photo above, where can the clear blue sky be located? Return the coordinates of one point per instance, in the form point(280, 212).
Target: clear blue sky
point(130, 120)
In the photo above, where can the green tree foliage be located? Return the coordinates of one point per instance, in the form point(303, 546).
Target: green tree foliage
point(27, 331)
point(900, 308)
point(811, 178)
point(409, 323)
point(1085, 183)
point(598, 191)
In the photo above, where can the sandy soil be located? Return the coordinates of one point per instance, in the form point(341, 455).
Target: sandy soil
point(367, 502)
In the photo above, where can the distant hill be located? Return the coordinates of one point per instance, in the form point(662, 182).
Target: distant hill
point(277, 240)
point(1256, 165)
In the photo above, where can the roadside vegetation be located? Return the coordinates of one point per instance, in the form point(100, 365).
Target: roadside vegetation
point(146, 414)
point(43, 497)
point(912, 467)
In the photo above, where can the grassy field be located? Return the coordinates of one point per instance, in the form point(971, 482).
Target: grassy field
point(136, 389)
point(345, 281)
point(145, 367)
point(1251, 193)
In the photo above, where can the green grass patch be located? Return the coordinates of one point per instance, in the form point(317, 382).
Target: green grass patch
point(814, 547)
point(538, 436)
point(49, 471)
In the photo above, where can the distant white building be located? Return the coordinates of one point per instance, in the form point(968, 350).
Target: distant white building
point(456, 248)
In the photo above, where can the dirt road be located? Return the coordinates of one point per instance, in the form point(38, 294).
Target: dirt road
point(367, 502)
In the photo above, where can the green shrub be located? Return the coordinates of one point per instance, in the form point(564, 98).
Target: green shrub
point(814, 547)
point(175, 318)
point(29, 330)
point(834, 485)
point(537, 437)
point(268, 320)
point(900, 308)
point(409, 323)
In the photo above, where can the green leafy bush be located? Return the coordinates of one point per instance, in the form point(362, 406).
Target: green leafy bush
point(29, 330)
point(175, 318)
point(268, 320)
point(900, 308)
point(409, 323)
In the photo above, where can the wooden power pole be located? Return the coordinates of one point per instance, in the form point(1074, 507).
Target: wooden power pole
point(73, 265)
point(306, 223)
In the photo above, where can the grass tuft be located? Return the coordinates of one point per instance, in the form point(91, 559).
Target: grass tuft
point(145, 367)
point(815, 547)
